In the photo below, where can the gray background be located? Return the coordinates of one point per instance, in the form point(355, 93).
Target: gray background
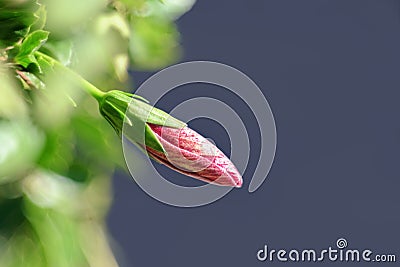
point(330, 71)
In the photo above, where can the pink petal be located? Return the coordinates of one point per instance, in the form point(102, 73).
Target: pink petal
point(189, 153)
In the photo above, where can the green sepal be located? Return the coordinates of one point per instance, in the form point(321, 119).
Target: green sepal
point(150, 114)
point(152, 140)
point(113, 106)
point(118, 107)
point(140, 110)
point(113, 115)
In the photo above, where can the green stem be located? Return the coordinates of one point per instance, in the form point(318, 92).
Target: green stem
point(87, 86)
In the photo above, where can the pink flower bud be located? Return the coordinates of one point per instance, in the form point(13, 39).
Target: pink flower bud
point(167, 139)
point(189, 153)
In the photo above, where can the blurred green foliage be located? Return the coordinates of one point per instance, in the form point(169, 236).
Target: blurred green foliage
point(57, 153)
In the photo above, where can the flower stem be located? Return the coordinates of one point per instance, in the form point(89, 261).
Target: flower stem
point(87, 86)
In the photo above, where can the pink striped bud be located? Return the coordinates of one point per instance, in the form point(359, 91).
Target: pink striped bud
point(189, 153)
point(168, 140)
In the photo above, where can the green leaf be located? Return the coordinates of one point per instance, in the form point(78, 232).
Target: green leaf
point(170, 9)
point(12, 104)
point(16, 17)
point(22, 244)
point(32, 43)
point(153, 43)
point(58, 232)
point(100, 147)
point(60, 50)
point(65, 17)
point(11, 214)
point(45, 65)
point(20, 142)
point(41, 15)
point(57, 152)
